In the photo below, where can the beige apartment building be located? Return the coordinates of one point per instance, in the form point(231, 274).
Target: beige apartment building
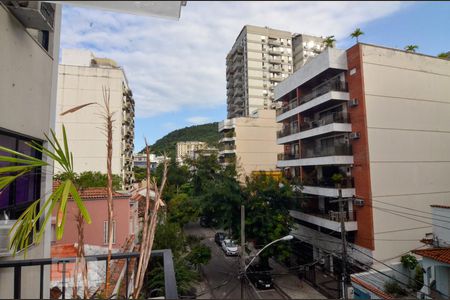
point(260, 58)
point(188, 149)
point(82, 76)
point(378, 117)
point(29, 39)
point(250, 142)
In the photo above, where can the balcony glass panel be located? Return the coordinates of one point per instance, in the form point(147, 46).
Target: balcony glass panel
point(334, 84)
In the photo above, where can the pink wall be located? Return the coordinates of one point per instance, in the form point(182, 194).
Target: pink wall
point(93, 233)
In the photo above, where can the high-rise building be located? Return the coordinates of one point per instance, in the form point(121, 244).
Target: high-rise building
point(376, 121)
point(188, 149)
point(82, 78)
point(260, 58)
point(250, 143)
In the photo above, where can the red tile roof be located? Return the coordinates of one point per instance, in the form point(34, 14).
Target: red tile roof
point(372, 289)
point(440, 206)
point(96, 193)
point(439, 254)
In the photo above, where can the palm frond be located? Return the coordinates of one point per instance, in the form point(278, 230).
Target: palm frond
point(76, 108)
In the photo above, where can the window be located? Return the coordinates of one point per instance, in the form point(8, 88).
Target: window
point(16, 198)
point(105, 232)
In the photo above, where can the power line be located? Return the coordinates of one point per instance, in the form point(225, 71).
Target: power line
point(421, 211)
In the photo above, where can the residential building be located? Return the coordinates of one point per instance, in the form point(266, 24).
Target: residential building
point(436, 258)
point(82, 78)
point(29, 35)
point(376, 120)
point(140, 160)
point(305, 47)
point(125, 222)
point(188, 149)
point(250, 143)
point(260, 58)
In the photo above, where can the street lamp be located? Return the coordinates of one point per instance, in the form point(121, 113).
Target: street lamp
point(285, 238)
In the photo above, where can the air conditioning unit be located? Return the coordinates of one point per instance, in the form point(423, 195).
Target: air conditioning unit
point(358, 202)
point(354, 135)
point(353, 103)
point(33, 14)
point(5, 226)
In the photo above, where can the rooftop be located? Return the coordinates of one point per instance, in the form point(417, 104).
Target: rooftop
point(439, 254)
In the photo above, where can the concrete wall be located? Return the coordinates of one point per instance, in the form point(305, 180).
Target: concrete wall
point(440, 225)
point(408, 107)
point(27, 107)
point(79, 85)
point(256, 147)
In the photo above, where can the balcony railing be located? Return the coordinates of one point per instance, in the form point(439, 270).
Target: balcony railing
point(291, 105)
point(288, 130)
point(170, 284)
point(331, 215)
point(317, 151)
point(346, 183)
point(228, 134)
point(336, 117)
point(288, 156)
point(334, 84)
point(224, 147)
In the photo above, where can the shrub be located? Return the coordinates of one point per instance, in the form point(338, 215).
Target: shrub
point(409, 261)
point(393, 288)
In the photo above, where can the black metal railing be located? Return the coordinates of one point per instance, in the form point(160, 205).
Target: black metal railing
point(309, 151)
point(336, 117)
point(288, 156)
point(290, 105)
point(170, 284)
point(288, 130)
point(223, 147)
point(334, 84)
point(346, 183)
point(331, 215)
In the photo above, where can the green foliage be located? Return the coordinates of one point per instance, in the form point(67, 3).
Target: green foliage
point(27, 224)
point(140, 173)
point(91, 179)
point(444, 55)
point(177, 177)
point(169, 236)
point(199, 255)
point(393, 288)
point(417, 284)
point(182, 209)
point(409, 261)
point(411, 48)
point(329, 41)
point(356, 34)
point(204, 133)
point(337, 178)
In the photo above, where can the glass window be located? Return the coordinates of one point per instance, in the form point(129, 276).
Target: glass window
point(19, 194)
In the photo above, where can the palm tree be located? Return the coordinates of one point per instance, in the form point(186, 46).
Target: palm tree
point(329, 41)
point(411, 48)
point(356, 34)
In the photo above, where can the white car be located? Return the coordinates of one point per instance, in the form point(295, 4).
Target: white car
point(229, 247)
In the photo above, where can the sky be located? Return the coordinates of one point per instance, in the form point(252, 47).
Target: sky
point(176, 69)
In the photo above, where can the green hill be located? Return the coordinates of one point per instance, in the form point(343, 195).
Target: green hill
point(204, 133)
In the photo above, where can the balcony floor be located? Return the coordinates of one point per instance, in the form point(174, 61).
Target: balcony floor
point(317, 161)
point(321, 221)
point(328, 191)
point(316, 132)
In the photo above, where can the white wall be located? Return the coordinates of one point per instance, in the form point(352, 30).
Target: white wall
point(27, 106)
point(408, 108)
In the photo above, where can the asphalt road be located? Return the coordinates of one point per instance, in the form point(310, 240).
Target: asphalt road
point(221, 273)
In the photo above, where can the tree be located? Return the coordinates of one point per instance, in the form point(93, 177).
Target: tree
point(356, 34)
point(411, 48)
point(199, 255)
point(329, 41)
point(267, 203)
point(89, 179)
point(183, 209)
point(444, 55)
point(139, 173)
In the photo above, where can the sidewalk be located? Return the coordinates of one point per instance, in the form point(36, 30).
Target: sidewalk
point(291, 285)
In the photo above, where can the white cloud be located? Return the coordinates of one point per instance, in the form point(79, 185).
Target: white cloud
point(198, 120)
point(178, 64)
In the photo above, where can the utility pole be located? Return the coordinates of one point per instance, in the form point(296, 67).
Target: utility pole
point(242, 250)
point(341, 202)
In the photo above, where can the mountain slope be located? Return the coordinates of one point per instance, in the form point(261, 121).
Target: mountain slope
point(203, 133)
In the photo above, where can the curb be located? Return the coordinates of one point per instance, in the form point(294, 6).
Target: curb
point(279, 290)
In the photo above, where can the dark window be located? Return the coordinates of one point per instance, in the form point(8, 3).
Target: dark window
point(20, 194)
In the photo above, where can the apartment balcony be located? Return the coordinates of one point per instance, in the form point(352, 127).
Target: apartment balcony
point(274, 42)
point(327, 219)
point(335, 122)
point(239, 100)
point(327, 188)
point(277, 78)
point(226, 124)
point(326, 94)
point(275, 52)
point(288, 130)
point(293, 103)
point(275, 70)
point(274, 60)
point(227, 136)
point(316, 156)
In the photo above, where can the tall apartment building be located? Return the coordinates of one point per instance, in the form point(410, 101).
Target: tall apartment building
point(188, 149)
point(260, 58)
point(82, 76)
point(29, 39)
point(250, 142)
point(379, 118)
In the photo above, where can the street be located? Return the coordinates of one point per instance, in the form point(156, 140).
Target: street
point(221, 273)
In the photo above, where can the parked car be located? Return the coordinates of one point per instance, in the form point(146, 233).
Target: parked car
point(229, 247)
point(219, 237)
point(261, 278)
